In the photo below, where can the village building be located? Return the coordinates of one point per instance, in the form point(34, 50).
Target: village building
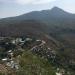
point(5, 59)
point(58, 73)
point(13, 65)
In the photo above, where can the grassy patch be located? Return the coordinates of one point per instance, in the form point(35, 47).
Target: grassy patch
point(34, 65)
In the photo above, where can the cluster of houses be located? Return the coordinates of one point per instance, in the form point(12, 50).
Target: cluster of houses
point(38, 48)
point(9, 59)
point(60, 71)
point(20, 40)
point(44, 51)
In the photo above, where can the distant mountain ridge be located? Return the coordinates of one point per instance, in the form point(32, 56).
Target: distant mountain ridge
point(55, 10)
point(49, 16)
point(54, 20)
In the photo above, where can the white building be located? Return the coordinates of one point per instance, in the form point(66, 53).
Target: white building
point(28, 39)
point(58, 73)
point(5, 59)
point(13, 65)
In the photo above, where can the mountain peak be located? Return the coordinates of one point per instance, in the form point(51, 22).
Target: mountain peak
point(56, 9)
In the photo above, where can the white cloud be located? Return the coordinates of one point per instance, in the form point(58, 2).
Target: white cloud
point(24, 2)
point(43, 1)
point(33, 1)
point(7, 1)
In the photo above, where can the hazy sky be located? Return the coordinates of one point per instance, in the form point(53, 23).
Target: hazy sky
point(17, 7)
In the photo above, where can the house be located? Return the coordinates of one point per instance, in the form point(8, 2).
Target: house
point(49, 48)
point(38, 40)
point(17, 40)
point(58, 73)
point(9, 51)
point(5, 59)
point(13, 64)
point(28, 39)
point(43, 42)
point(13, 41)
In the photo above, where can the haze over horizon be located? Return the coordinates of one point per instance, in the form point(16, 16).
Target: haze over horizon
point(9, 8)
